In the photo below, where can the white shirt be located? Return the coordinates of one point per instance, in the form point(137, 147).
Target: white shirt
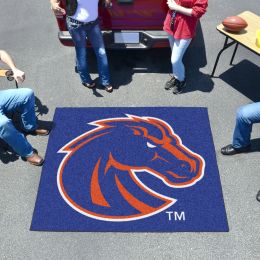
point(87, 11)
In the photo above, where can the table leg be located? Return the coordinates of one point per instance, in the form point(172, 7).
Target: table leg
point(234, 53)
point(225, 46)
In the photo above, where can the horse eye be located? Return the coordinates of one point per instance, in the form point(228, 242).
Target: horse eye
point(150, 145)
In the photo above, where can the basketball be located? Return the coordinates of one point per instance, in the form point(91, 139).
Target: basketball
point(234, 23)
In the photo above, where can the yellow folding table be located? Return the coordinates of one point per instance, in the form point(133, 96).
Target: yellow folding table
point(246, 37)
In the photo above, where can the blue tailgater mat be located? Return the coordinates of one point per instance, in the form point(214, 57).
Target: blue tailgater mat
point(130, 169)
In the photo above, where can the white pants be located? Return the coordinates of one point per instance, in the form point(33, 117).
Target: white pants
point(179, 47)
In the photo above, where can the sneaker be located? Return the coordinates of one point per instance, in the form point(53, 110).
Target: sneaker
point(170, 83)
point(178, 86)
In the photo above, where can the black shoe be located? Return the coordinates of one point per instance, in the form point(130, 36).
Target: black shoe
point(170, 83)
point(108, 88)
point(230, 150)
point(91, 85)
point(39, 131)
point(178, 86)
point(258, 196)
point(34, 159)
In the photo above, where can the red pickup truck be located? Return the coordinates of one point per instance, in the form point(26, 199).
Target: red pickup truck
point(132, 24)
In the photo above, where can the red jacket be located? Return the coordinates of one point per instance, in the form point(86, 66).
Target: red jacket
point(185, 26)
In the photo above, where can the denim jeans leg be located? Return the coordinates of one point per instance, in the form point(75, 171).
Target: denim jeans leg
point(246, 116)
point(179, 47)
point(96, 38)
point(171, 40)
point(17, 100)
point(20, 101)
point(78, 34)
point(27, 111)
point(14, 138)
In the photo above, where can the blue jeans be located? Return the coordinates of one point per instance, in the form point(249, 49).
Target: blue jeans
point(17, 101)
point(246, 116)
point(80, 33)
point(179, 47)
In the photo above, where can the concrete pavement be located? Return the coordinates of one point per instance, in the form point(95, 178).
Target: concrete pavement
point(28, 31)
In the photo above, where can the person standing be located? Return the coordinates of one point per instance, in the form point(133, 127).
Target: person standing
point(180, 24)
point(83, 23)
point(20, 101)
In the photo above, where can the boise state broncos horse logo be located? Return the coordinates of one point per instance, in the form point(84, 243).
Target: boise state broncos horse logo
point(98, 177)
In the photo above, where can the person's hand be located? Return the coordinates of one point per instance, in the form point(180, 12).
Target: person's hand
point(58, 11)
point(172, 5)
point(18, 75)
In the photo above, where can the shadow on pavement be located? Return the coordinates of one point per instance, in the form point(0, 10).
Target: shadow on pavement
point(40, 109)
point(140, 61)
point(194, 59)
point(6, 154)
point(255, 145)
point(244, 77)
point(125, 63)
